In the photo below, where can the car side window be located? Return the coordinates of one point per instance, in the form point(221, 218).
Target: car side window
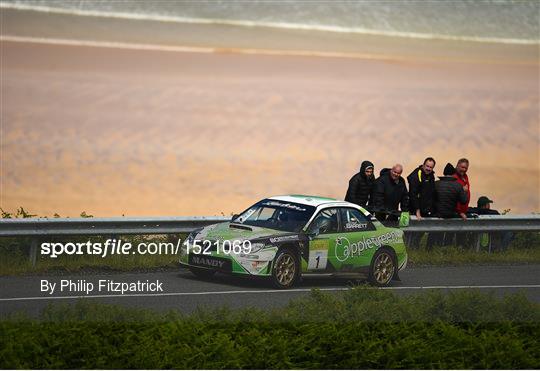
point(354, 220)
point(325, 222)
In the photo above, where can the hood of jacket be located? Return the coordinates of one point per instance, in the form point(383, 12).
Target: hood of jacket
point(364, 166)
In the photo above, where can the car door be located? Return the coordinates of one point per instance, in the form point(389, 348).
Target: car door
point(354, 245)
point(323, 232)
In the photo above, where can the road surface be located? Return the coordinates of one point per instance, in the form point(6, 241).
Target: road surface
point(183, 292)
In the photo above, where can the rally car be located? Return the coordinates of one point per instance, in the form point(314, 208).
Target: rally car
point(285, 237)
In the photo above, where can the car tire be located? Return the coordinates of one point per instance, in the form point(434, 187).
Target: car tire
point(285, 269)
point(202, 272)
point(383, 267)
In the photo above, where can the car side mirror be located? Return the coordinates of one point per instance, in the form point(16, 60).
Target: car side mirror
point(235, 216)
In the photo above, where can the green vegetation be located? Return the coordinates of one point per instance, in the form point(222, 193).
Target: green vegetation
point(524, 249)
point(451, 255)
point(363, 328)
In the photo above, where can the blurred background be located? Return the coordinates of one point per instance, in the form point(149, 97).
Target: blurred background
point(202, 108)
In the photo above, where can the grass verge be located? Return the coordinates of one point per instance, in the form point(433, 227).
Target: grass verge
point(363, 328)
point(14, 256)
point(451, 255)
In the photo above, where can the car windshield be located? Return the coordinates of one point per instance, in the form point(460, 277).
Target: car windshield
point(275, 214)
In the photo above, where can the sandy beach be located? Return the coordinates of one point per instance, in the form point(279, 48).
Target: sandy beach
point(114, 131)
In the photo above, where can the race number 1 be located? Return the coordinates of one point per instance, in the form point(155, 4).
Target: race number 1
point(317, 259)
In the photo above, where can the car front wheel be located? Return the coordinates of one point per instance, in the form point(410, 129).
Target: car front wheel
point(285, 270)
point(383, 267)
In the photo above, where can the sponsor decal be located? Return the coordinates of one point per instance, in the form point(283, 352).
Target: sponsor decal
point(285, 205)
point(355, 225)
point(208, 262)
point(283, 238)
point(319, 244)
point(347, 250)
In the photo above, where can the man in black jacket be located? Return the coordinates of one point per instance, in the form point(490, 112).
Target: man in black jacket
point(490, 240)
point(448, 192)
point(421, 196)
point(483, 207)
point(422, 189)
point(361, 185)
point(390, 193)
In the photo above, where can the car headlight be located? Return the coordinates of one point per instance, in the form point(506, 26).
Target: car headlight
point(188, 241)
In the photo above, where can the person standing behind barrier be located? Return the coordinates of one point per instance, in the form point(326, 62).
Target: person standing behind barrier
point(462, 178)
point(483, 207)
point(463, 238)
point(448, 193)
point(361, 185)
point(422, 189)
point(421, 195)
point(390, 194)
point(491, 240)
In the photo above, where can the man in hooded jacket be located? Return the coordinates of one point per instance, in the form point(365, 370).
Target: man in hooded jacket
point(361, 185)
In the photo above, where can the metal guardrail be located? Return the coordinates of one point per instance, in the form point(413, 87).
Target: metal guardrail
point(170, 225)
point(45, 227)
point(484, 223)
point(105, 226)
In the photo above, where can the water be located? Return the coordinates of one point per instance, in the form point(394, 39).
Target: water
point(488, 21)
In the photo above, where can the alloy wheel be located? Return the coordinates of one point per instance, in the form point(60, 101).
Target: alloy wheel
point(383, 268)
point(285, 269)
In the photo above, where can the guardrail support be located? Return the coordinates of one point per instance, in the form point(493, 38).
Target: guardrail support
point(33, 251)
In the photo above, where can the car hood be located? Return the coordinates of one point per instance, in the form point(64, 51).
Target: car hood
point(223, 231)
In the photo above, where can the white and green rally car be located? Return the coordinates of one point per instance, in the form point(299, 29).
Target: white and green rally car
point(289, 236)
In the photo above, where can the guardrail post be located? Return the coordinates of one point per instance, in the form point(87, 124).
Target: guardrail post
point(33, 251)
point(409, 239)
point(478, 240)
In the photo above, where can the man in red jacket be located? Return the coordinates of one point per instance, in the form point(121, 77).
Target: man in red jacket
point(462, 178)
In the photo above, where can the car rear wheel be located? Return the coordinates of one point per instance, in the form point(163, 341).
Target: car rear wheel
point(202, 272)
point(383, 267)
point(285, 270)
